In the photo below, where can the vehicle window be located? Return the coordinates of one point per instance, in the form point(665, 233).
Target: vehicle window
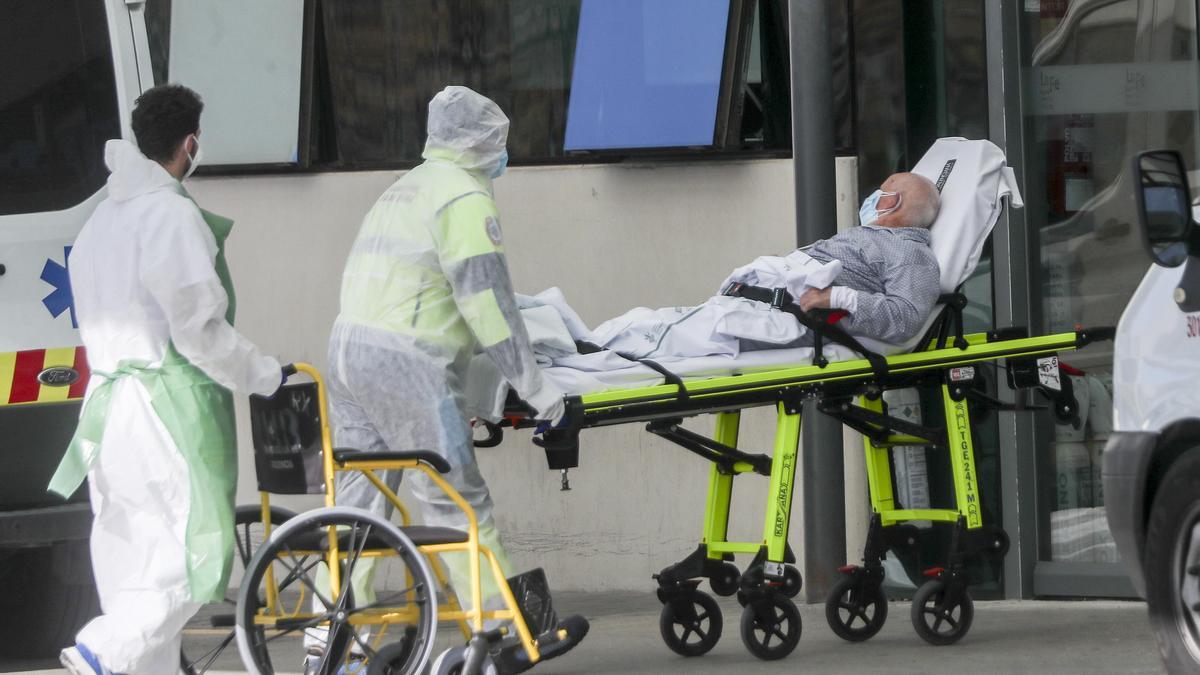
point(244, 59)
point(58, 104)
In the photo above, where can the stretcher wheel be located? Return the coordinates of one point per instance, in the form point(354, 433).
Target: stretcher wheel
point(856, 609)
point(690, 623)
point(294, 554)
point(998, 544)
point(937, 619)
point(792, 582)
point(771, 627)
point(724, 581)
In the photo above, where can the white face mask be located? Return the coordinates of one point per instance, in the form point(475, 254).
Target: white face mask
point(193, 160)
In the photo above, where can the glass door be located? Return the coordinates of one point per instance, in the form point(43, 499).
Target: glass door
point(1103, 80)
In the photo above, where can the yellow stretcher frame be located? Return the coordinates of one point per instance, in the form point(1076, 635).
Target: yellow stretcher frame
point(786, 389)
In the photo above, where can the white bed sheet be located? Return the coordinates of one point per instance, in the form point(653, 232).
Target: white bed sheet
point(974, 180)
point(602, 371)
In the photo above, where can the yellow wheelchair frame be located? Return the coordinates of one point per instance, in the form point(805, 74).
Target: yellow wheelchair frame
point(470, 621)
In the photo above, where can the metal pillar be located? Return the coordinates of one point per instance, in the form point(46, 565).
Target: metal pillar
point(823, 492)
point(1010, 253)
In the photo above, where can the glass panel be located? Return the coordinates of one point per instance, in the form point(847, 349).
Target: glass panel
point(914, 85)
point(376, 64)
point(1104, 80)
point(647, 73)
point(243, 58)
point(57, 107)
point(384, 60)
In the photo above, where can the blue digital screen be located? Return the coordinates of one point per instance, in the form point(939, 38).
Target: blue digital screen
point(647, 74)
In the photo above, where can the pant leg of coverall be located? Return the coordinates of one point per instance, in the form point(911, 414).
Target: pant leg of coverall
point(140, 499)
point(366, 409)
point(437, 509)
point(353, 430)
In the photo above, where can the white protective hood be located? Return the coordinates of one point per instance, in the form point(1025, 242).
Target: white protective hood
point(133, 173)
point(467, 129)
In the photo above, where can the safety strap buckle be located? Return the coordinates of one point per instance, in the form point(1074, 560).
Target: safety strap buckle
point(779, 298)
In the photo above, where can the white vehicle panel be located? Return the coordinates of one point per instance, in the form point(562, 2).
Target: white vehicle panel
point(1156, 368)
point(36, 313)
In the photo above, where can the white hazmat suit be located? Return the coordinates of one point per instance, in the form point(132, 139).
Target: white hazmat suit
point(156, 435)
point(425, 287)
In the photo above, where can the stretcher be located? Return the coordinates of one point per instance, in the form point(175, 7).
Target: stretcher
point(851, 391)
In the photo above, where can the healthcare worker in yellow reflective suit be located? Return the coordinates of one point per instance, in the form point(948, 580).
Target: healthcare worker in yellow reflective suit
point(426, 286)
point(156, 433)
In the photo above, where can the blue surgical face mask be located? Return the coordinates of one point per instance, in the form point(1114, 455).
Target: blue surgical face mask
point(499, 170)
point(867, 213)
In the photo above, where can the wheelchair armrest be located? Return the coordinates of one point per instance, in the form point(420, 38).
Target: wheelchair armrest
point(439, 463)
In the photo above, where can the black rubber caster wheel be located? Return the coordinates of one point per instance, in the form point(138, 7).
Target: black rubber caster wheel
point(937, 622)
point(771, 627)
point(998, 544)
point(690, 623)
point(453, 661)
point(856, 609)
point(792, 582)
point(394, 658)
point(724, 582)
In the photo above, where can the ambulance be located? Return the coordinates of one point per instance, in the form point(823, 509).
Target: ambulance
point(1152, 459)
point(69, 79)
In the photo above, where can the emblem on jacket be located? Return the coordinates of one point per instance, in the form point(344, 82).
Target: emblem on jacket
point(493, 229)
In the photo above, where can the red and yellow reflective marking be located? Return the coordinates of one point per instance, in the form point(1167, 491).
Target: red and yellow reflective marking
point(19, 371)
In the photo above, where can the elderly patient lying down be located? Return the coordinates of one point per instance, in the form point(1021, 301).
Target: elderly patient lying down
point(884, 274)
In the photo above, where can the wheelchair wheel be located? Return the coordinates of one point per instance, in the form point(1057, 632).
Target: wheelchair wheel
point(936, 619)
point(771, 627)
point(856, 610)
point(248, 535)
point(690, 623)
point(294, 553)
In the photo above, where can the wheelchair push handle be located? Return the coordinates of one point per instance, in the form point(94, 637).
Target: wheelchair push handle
point(289, 369)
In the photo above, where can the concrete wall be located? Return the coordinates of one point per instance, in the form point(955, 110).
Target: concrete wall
point(612, 237)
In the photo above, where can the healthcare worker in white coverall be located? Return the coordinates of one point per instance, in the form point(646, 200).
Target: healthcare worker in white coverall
point(156, 433)
point(426, 286)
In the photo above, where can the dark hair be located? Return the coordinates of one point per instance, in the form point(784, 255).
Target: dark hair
point(162, 117)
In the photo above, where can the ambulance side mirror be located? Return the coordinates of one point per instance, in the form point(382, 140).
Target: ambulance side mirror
point(1171, 235)
point(1164, 206)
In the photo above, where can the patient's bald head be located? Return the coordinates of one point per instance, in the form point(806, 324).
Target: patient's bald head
point(918, 197)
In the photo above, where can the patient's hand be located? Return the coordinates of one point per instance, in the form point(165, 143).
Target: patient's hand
point(815, 297)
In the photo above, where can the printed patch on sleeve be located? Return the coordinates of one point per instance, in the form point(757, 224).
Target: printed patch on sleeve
point(493, 229)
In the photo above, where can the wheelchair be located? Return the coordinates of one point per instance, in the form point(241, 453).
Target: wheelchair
point(302, 579)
